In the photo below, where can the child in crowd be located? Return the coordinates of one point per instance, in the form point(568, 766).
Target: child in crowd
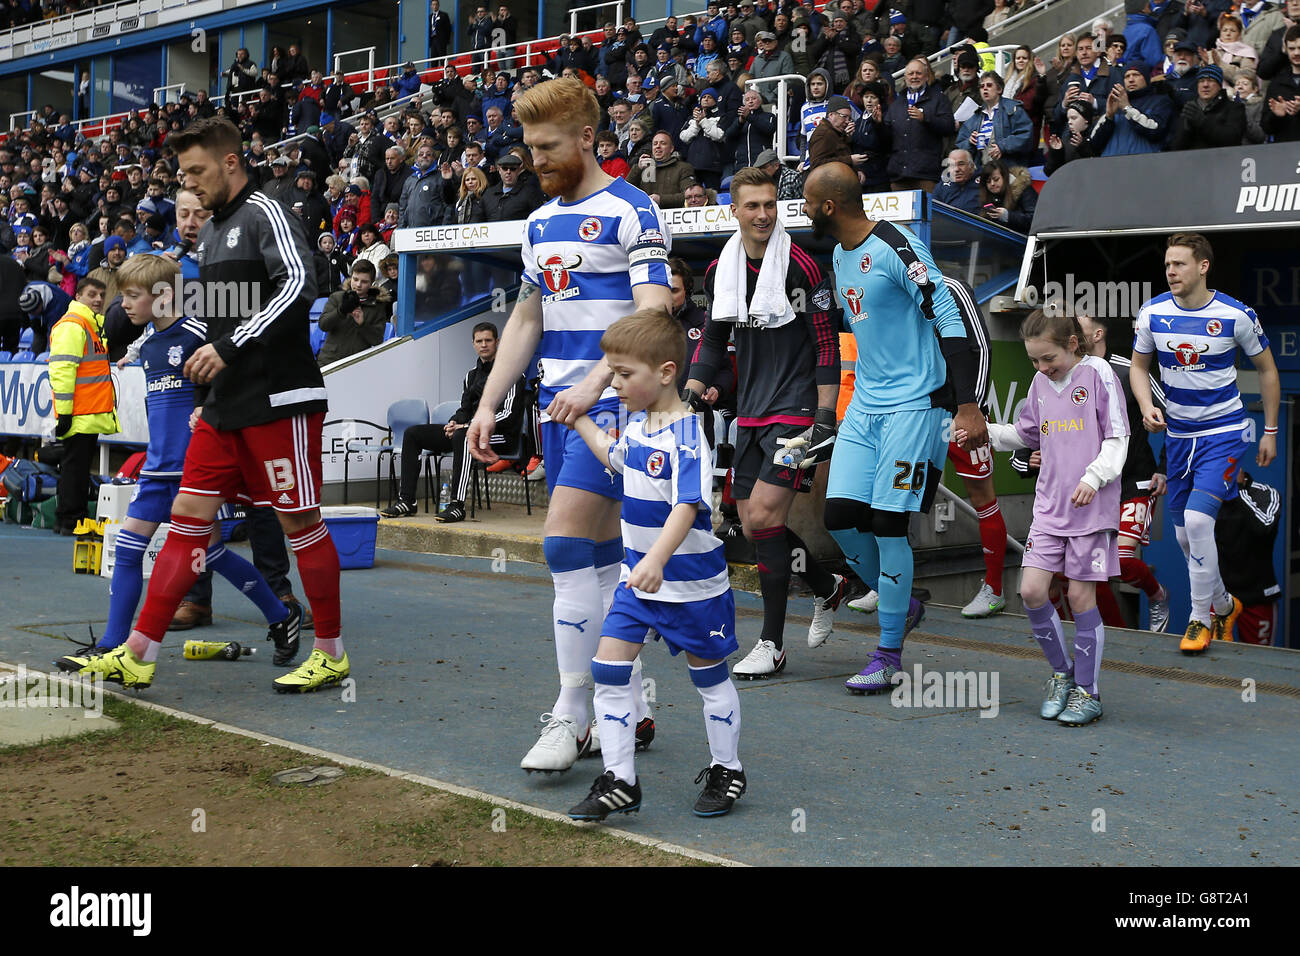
point(674, 577)
point(1075, 416)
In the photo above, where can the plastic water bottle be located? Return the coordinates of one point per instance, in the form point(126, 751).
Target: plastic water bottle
point(216, 651)
point(444, 496)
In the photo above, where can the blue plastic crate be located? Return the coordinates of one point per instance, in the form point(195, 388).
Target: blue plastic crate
point(354, 531)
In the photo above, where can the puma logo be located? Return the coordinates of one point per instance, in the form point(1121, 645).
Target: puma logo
point(723, 720)
point(581, 629)
point(892, 577)
point(720, 633)
point(622, 720)
point(1200, 562)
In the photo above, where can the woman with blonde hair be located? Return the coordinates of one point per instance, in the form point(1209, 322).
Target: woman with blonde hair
point(1025, 85)
point(469, 201)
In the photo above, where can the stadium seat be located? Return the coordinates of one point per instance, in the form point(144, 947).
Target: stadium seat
point(6, 356)
point(317, 307)
point(401, 416)
point(24, 355)
point(25, 339)
point(43, 357)
point(317, 338)
point(390, 331)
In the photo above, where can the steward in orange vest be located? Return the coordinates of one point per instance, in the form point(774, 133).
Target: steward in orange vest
point(82, 383)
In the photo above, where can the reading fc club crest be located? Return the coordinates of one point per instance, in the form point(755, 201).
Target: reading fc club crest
point(693, 334)
point(1214, 327)
point(555, 272)
point(866, 263)
point(174, 354)
point(1188, 355)
point(654, 465)
point(1079, 395)
point(589, 231)
point(853, 297)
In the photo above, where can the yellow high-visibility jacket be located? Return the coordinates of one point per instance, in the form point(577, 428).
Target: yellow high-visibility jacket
point(80, 373)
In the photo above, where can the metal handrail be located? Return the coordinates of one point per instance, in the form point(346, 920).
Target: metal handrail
point(1020, 15)
point(370, 63)
point(387, 110)
point(178, 87)
point(574, 11)
point(56, 26)
point(935, 58)
point(782, 107)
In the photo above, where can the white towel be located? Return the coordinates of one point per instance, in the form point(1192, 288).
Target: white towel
point(770, 307)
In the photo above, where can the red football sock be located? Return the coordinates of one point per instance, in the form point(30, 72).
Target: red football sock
point(993, 536)
point(318, 566)
point(1133, 570)
point(174, 573)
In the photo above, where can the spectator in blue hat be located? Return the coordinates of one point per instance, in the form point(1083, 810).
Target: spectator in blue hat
point(1212, 119)
point(1139, 115)
point(408, 83)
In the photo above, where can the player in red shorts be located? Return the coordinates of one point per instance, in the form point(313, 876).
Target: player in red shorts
point(975, 468)
point(257, 432)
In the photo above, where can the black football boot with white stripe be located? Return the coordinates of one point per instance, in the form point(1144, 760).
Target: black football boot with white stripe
point(723, 789)
point(608, 795)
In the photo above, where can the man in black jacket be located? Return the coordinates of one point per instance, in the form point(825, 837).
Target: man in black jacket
point(389, 179)
point(919, 120)
point(516, 196)
point(1211, 120)
point(257, 434)
point(451, 437)
point(1281, 117)
point(439, 29)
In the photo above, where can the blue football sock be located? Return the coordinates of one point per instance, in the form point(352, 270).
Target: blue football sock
point(895, 587)
point(124, 591)
point(861, 552)
point(247, 579)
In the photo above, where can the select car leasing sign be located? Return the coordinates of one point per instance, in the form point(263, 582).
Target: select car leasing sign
point(685, 222)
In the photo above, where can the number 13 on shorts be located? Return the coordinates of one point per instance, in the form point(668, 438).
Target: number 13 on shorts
point(279, 474)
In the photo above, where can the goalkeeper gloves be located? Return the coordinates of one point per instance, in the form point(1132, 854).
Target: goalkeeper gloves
point(810, 447)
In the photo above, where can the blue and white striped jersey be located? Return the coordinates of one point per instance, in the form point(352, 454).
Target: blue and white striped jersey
point(585, 258)
point(1197, 353)
point(661, 470)
point(169, 396)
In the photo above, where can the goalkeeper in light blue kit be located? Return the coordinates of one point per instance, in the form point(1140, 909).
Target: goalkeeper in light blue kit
point(890, 450)
point(148, 286)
